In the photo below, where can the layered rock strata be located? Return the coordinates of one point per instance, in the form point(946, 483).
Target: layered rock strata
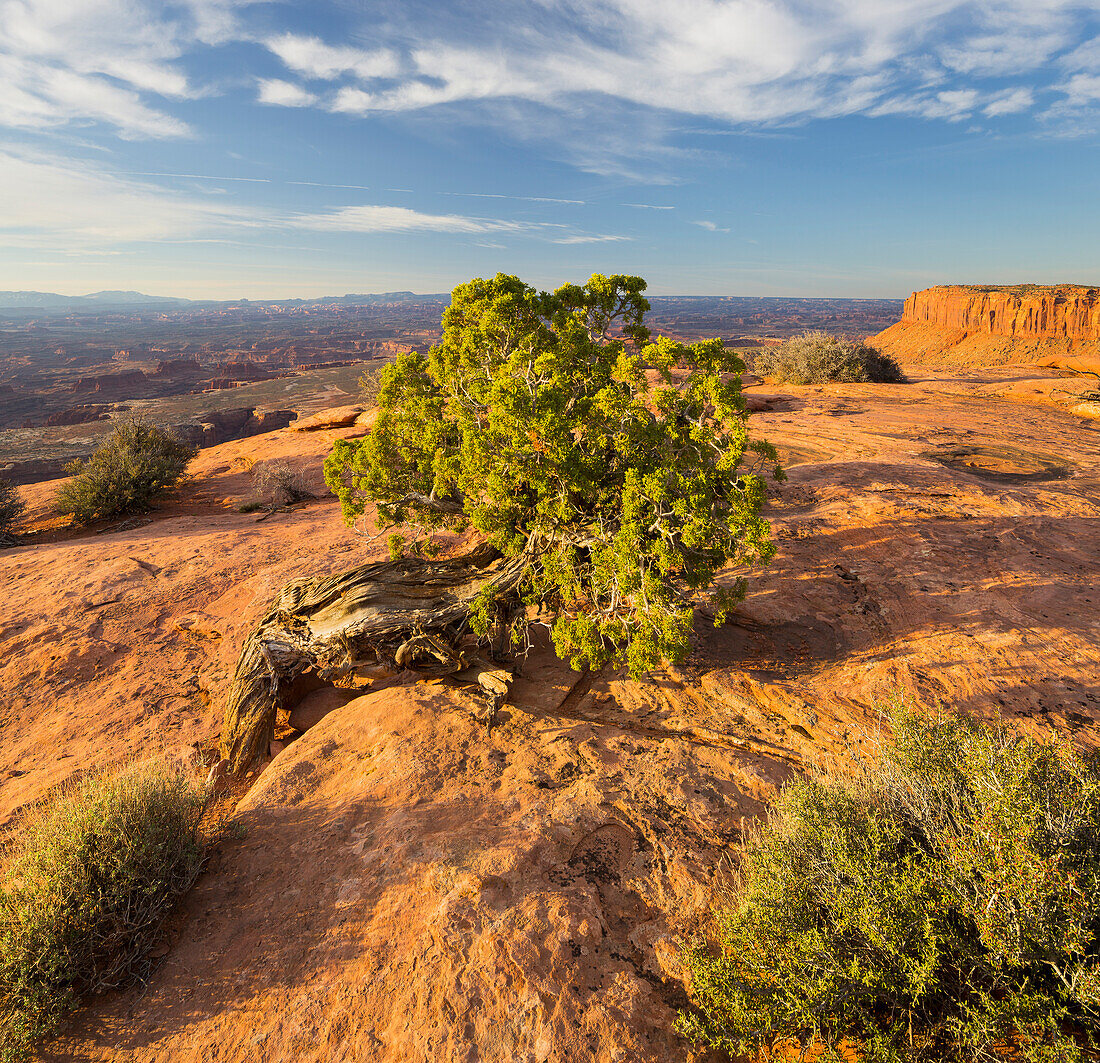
point(1027, 312)
point(958, 325)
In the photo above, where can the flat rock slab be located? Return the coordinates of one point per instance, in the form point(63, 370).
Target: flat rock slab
point(339, 417)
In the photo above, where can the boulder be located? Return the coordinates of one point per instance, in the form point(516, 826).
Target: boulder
point(315, 706)
point(340, 417)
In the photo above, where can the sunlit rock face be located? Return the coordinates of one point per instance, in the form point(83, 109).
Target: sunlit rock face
point(1028, 311)
point(1055, 326)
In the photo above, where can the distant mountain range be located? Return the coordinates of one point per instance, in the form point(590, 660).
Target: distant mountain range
point(53, 301)
point(99, 300)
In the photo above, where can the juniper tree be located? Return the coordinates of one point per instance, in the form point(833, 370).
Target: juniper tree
point(609, 479)
point(620, 469)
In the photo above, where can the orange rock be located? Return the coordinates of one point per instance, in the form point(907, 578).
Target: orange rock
point(314, 707)
point(985, 326)
point(340, 417)
point(414, 885)
point(1028, 311)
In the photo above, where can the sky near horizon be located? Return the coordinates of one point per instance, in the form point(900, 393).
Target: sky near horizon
point(229, 148)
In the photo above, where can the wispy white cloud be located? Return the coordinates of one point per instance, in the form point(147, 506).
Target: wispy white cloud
point(739, 60)
point(951, 104)
point(48, 199)
point(382, 219)
point(193, 176)
point(377, 218)
point(284, 94)
point(747, 63)
point(581, 238)
point(313, 58)
point(35, 95)
point(648, 206)
point(1082, 89)
point(1011, 101)
point(750, 63)
point(710, 226)
point(526, 199)
point(98, 61)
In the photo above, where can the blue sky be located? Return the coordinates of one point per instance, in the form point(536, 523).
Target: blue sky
point(226, 148)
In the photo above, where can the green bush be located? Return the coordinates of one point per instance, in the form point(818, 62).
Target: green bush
point(11, 507)
point(818, 358)
point(134, 466)
point(941, 904)
point(84, 890)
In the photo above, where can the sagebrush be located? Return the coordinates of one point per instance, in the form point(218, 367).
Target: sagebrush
point(134, 466)
point(940, 904)
point(819, 358)
point(11, 508)
point(86, 885)
point(277, 483)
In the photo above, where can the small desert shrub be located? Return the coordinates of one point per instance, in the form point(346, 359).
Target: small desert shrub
point(136, 464)
point(941, 904)
point(276, 483)
point(370, 385)
point(11, 507)
point(84, 890)
point(818, 358)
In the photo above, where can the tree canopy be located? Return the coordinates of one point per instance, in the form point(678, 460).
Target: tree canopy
point(620, 468)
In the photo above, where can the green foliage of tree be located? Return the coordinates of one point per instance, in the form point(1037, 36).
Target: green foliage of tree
point(940, 904)
point(86, 884)
point(819, 358)
point(132, 468)
point(534, 422)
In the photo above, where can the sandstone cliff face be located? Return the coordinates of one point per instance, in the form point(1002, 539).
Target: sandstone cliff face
point(972, 326)
point(1028, 312)
point(79, 414)
point(112, 382)
point(221, 426)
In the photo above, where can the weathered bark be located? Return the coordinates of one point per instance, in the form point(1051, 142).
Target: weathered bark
point(401, 610)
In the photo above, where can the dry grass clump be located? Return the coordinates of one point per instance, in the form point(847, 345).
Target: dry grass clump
point(942, 903)
point(85, 887)
point(133, 467)
point(276, 483)
point(818, 358)
point(370, 386)
point(11, 509)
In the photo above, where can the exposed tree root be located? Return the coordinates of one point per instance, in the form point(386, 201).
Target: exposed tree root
point(405, 611)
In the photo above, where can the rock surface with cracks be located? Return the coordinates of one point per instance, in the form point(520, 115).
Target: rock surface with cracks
point(414, 885)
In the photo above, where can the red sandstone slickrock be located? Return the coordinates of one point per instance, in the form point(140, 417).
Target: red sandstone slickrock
point(413, 885)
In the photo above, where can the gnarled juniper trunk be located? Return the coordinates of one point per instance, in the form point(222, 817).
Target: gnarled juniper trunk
point(397, 610)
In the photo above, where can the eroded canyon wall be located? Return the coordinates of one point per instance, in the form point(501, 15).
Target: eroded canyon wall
point(1029, 312)
point(1058, 325)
